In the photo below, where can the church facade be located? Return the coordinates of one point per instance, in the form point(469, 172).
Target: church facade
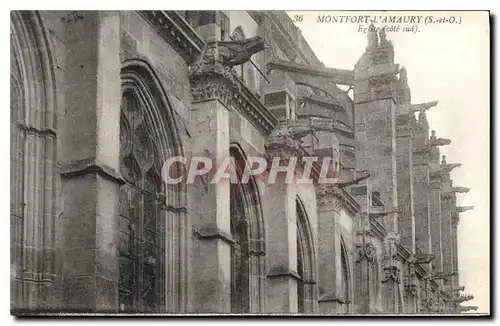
point(100, 100)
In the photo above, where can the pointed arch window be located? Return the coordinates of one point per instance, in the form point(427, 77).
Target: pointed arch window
point(344, 290)
point(345, 287)
point(306, 283)
point(240, 301)
point(300, 271)
point(248, 249)
point(142, 235)
point(240, 256)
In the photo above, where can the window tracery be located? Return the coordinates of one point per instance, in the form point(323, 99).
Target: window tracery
point(142, 230)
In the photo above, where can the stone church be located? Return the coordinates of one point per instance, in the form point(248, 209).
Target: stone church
point(99, 100)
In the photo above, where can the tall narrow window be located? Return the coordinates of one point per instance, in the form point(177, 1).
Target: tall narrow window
point(142, 235)
point(306, 293)
point(248, 249)
point(239, 253)
point(300, 271)
point(240, 267)
point(344, 270)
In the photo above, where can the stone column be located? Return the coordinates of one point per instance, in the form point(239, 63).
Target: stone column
point(211, 272)
point(454, 225)
point(375, 79)
point(89, 152)
point(404, 148)
point(421, 198)
point(365, 258)
point(281, 235)
point(446, 205)
point(329, 251)
point(435, 226)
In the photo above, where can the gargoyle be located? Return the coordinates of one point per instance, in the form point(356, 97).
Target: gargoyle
point(461, 298)
point(467, 308)
point(442, 276)
point(347, 179)
point(299, 132)
point(235, 53)
point(460, 288)
point(462, 209)
point(460, 189)
point(450, 166)
point(422, 107)
point(440, 142)
point(424, 259)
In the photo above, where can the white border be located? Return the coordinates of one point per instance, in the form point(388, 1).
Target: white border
point(5, 318)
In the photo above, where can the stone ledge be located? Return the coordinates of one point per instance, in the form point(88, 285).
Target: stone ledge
point(90, 166)
point(210, 233)
point(281, 271)
point(333, 297)
point(212, 81)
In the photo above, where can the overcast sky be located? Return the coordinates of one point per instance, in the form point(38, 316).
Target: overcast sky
point(448, 63)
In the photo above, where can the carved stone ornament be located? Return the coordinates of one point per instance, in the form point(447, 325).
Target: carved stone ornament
point(329, 194)
point(282, 143)
point(391, 273)
point(467, 308)
point(460, 189)
point(462, 209)
point(440, 142)
point(431, 304)
point(412, 289)
point(210, 79)
point(423, 106)
point(176, 32)
point(237, 52)
point(366, 251)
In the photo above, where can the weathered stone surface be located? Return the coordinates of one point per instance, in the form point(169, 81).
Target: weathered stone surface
point(382, 240)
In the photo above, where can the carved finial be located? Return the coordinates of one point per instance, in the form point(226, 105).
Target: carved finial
point(372, 37)
point(443, 160)
point(403, 75)
point(383, 36)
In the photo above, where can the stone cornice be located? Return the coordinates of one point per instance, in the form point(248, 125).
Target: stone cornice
point(256, 15)
point(343, 197)
point(176, 32)
point(211, 80)
point(325, 101)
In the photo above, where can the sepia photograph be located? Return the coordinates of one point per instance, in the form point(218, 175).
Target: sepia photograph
point(249, 163)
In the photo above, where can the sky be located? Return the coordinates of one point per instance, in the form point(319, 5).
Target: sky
point(448, 62)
